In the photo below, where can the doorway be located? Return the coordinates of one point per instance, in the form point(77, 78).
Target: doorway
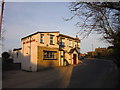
point(74, 59)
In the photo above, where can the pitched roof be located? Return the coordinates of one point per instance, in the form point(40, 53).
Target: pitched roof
point(74, 49)
point(69, 37)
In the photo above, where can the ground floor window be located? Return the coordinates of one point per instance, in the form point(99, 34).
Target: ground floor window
point(50, 55)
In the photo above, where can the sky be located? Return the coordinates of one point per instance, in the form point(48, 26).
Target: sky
point(24, 18)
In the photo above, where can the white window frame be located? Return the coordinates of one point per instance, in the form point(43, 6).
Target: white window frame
point(49, 55)
point(52, 39)
point(41, 38)
point(70, 43)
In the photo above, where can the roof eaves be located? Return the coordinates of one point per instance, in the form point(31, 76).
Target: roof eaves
point(17, 49)
point(29, 35)
point(69, 37)
point(39, 32)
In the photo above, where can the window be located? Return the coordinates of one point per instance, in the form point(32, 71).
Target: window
point(50, 55)
point(75, 44)
point(41, 38)
point(78, 44)
point(62, 43)
point(70, 43)
point(51, 39)
point(17, 54)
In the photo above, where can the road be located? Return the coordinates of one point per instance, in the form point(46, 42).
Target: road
point(95, 74)
point(92, 73)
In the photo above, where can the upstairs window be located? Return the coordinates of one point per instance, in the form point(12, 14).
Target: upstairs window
point(51, 39)
point(62, 43)
point(42, 38)
point(75, 44)
point(78, 44)
point(70, 43)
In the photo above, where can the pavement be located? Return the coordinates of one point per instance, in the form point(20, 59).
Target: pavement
point(92, 73)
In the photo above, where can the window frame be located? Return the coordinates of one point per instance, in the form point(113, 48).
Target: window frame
point(50, 55)
point(70, 43)
point(52, 39)
point(78, 44)
point(42, 38)
point(62, 43)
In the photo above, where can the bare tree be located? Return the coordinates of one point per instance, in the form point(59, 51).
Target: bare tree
point(100, 17)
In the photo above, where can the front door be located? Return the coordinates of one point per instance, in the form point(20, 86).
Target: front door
point(74, 59)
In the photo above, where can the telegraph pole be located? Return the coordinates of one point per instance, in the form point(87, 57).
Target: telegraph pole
point(1, 16)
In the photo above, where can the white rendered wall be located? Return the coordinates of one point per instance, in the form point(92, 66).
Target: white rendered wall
point(47, 40)
point(17, 58)
point(29, 50)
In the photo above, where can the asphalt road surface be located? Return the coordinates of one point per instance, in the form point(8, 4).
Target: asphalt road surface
point(92, 73)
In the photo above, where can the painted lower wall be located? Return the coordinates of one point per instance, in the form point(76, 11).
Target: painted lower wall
point(68, 58)
point(29, 53)
point(41, 63)
point(61, 58)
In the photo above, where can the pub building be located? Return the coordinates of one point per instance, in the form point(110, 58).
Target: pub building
point(42, 50)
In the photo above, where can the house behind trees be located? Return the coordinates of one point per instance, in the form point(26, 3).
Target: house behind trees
point(101, 51)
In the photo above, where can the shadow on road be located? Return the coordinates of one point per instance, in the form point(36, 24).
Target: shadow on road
point(94, 74)
point(90, 74)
